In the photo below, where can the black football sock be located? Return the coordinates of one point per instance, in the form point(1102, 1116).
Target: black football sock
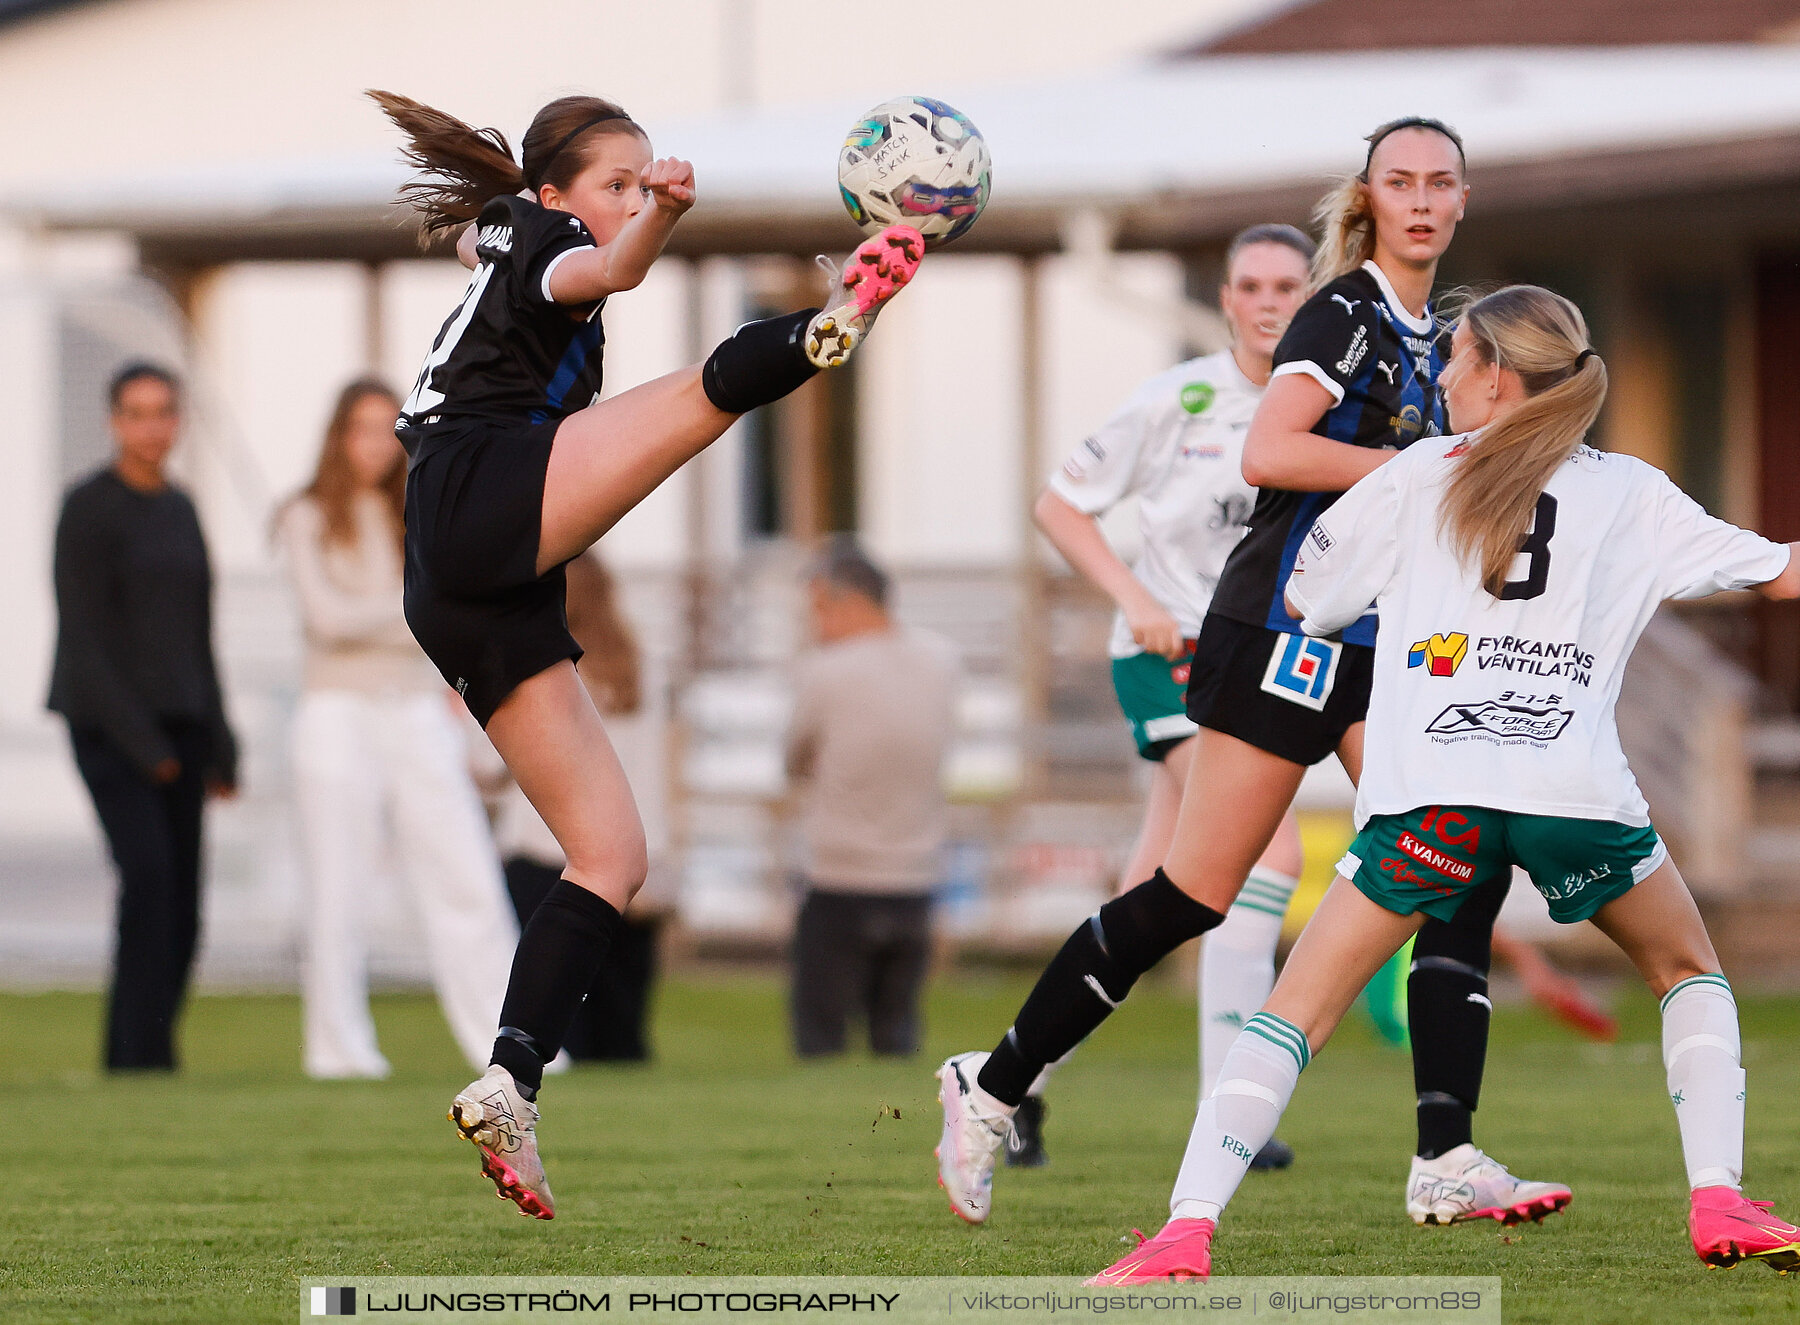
point(1448, 1011)
point(758, 363)
point(1090, 977)
point(559, 953)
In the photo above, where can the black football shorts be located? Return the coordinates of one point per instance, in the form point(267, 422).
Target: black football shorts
point(1292, 695)
point(474, 599)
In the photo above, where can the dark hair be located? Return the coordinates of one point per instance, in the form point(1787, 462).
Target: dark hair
point(1411, 122)
point(844, 565)
point(137, 370)
point(1269, 232)
point(465, 168)
point(333, 485)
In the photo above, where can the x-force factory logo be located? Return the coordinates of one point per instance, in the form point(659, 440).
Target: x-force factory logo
point(1507, 722)
point(1440, 655)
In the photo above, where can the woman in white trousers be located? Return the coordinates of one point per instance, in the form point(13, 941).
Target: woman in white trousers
point(380, 760)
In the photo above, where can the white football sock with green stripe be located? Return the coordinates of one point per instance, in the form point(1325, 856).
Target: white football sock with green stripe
point(1701, 1051)
point(1237, 966)
point(1255, 1084)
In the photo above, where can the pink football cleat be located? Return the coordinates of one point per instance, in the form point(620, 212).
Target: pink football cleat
point(1181, 1252)
point(1727, 1229)
point(872, 276)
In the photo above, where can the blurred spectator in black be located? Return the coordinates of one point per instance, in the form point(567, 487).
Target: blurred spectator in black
point(135, 678)
point(874, 712)
point(611, 1024)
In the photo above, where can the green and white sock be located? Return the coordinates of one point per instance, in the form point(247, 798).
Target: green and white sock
point(1702, 1051)
point(1237, 966)
point(1255, 1084)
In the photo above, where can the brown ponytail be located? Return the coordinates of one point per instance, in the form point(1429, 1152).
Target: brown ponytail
point(1490, 499)
point(463, 168)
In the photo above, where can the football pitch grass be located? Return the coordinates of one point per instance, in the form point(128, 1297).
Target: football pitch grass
point(211, 1196)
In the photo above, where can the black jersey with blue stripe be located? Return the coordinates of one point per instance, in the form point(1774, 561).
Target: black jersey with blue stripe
point(509, 353)
point(1381, 366)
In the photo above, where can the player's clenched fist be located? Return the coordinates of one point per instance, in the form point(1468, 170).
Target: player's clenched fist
point(671, 184)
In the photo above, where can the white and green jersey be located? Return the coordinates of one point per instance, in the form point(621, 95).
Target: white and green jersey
point(1507, 703)
point(1178, 446)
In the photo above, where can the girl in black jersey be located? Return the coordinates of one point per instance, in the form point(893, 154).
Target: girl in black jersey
point(1355, 379)
point(516, 466)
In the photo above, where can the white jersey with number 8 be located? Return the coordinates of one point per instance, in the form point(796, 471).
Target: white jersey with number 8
point(1508, 702)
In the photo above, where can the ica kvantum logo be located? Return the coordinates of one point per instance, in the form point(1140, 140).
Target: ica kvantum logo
point(1440, 655)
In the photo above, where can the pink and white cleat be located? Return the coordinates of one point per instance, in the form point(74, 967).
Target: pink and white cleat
point(1727, 1229)
point(871, 276)
point(1181, 1252)
point(1464, 1184)
point(502, 1124)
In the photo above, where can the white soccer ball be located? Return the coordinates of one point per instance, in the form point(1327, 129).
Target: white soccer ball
point(918, 162)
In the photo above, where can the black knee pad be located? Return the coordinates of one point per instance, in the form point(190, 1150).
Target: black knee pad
point(1139, 928)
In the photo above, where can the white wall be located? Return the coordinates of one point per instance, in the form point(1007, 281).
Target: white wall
point(275, 342)
point(942, 418)
point(28, 500)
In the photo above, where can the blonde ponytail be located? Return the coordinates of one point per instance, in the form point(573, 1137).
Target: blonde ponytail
point(1346, 225)
point(1491, 498)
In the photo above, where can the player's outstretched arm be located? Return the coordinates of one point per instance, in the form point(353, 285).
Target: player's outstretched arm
point(1077, 535)
point(623, 263)
point(1281, 451)
point(465, 246)
point(1787, 584)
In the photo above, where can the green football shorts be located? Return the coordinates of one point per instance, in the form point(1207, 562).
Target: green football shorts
point(1153, 693)
point(1430, 859)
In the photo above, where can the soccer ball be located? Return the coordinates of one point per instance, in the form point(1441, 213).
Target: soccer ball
point(914, 161)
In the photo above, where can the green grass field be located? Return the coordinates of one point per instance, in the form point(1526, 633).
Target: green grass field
point(211, 1196)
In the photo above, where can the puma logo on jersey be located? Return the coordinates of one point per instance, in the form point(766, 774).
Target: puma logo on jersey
point(1349, 304)
point(1387, 370)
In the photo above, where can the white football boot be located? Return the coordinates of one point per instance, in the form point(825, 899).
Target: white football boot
point(1464, 1184)
point(971, 1141)
point(502, 1124)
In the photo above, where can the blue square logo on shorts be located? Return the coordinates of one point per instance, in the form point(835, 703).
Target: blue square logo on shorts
point(1302, 669)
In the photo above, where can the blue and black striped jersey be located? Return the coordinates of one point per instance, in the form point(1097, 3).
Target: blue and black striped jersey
point(1381, 366)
